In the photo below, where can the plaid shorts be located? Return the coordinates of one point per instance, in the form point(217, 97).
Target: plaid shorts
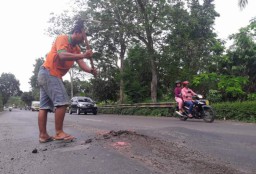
point(52, 90)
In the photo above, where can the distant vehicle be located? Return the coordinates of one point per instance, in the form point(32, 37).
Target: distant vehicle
point(35, 105)
point(10, 108)
point(83, 105)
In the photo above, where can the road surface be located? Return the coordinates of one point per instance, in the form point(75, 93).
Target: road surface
point(116, 144)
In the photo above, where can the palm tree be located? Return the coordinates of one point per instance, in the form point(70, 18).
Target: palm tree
point(242, 3)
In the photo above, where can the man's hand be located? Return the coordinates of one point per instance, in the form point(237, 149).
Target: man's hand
point(94, 71)
point(88, 54)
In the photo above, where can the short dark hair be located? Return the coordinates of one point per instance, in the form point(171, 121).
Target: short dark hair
point(79, 26)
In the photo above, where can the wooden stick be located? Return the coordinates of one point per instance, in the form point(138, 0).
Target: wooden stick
point(88, 48)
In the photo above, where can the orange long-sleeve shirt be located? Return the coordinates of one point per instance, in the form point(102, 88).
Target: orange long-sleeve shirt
point(53, 63)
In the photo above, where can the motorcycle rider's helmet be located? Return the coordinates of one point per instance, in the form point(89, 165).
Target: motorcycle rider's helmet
point(185, 82)
point(178, 81)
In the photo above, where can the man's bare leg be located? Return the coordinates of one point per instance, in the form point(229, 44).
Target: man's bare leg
point(42, 122)
point(59, 119)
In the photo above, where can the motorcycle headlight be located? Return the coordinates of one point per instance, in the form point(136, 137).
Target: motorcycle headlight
point(199, 96)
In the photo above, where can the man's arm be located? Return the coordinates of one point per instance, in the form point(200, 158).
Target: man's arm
point(66, 56)
point(85, 67)
point(193, 93)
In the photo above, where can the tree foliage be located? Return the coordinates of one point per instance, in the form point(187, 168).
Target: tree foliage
point(9, 86)
point(33, 78)
point(143, 47)
point(230, 87)
point(137, 75)
point(27, 98)
point(242, 55)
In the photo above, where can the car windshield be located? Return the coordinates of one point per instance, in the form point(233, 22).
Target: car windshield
point(84, 100)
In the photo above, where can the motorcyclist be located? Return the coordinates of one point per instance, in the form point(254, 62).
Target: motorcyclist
point(178, 97)
point(187, 94)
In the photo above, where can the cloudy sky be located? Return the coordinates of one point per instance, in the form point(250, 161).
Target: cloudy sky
point(23, 25)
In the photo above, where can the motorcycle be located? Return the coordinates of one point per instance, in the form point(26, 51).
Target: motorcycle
point(201, 110)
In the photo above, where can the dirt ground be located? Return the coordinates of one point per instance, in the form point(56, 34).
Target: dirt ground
point(162, 156)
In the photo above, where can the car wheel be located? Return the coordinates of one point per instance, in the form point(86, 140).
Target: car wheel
point(78, 111)
point(95, 113)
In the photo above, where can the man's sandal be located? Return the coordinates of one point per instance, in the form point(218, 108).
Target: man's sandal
point(45, 140)
point(67, 138)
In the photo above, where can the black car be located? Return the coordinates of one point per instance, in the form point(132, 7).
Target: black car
point(83, 105)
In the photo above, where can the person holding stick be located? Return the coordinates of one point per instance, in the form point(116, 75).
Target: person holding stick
point(64, 52)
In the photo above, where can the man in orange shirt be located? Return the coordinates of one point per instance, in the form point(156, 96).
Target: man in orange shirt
point(64, 52)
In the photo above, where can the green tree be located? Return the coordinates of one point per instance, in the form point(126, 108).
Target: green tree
point(16, 102)
point(179, 41)
point(142, 21)
point(104, 90)
point(242, 55)
point(137, 75)
point(230, 87)
point(33, 79)
point(205, 82)
point(192, 43)
point(111, 38)
point(27, 98)
point(9, 86)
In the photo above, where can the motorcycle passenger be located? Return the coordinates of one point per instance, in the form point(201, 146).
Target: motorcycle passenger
point(178, 97)
point(187, 94)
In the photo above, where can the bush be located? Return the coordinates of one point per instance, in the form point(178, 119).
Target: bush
point(241, 111)
point(214, 96)
point(251, 97)
point(142, 111)
point(127, 111)
point(160, 112)
point(137, 111)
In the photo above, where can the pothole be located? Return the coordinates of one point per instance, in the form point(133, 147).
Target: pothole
point(163, 156)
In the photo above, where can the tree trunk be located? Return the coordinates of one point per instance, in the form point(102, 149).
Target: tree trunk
point(150, 46)
point(153, 81)
point(122, 53)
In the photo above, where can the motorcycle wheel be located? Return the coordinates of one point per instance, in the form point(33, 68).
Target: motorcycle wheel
point(208, 115)
point(184, 118)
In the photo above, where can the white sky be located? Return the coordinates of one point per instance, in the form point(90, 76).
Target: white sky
point(23, 25)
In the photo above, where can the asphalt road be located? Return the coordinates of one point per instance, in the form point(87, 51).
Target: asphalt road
point(115, 144)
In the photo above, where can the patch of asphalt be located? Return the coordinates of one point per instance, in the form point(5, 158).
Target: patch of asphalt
point(233, 150)
point(163, 156)
point(79, 157)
